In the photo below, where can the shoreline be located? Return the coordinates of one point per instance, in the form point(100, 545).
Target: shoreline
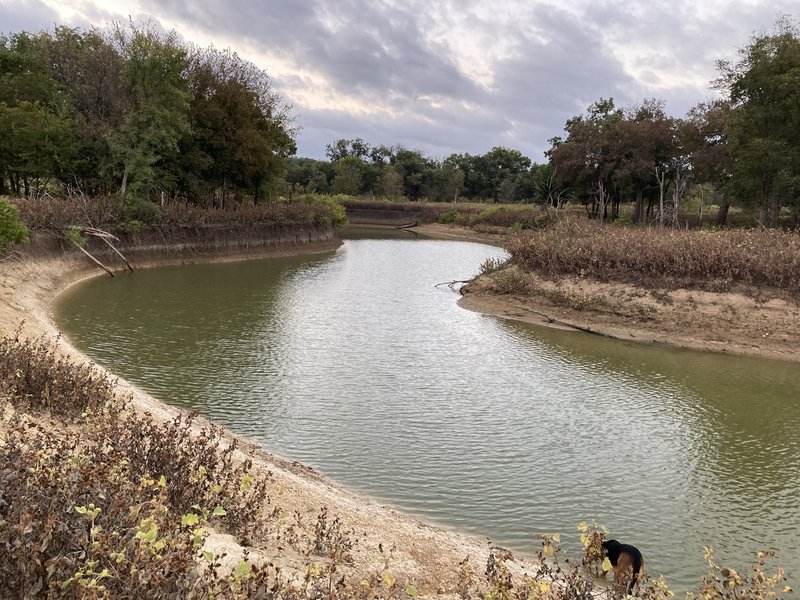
point(755, 323)
point(733, 323)
point(425, 555)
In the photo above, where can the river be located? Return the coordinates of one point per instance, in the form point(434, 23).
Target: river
point(355, 363)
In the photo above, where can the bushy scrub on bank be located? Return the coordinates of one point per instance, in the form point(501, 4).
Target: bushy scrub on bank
point(12, 230)
point(59, 214)
point(100, 501)
point(715, 260)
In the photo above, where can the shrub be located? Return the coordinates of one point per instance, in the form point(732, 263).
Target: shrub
point(12, 230)
point(447, 217)
point(334, 203)
point(141, 210)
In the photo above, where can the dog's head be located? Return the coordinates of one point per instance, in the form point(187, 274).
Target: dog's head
point(611, 548)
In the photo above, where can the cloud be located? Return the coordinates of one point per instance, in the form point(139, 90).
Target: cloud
point(452, 75)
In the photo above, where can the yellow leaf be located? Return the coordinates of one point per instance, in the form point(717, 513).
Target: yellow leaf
point(557, 537)
point(607, 565)
point(389, 579)
point(190, 519)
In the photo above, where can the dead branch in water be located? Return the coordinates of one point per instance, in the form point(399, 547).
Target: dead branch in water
point(452, 284)
point(87, 253)
point(106, 237)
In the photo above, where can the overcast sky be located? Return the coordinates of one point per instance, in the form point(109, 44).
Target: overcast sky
point(444, 76)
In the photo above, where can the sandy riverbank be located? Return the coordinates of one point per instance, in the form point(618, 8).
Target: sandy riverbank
point(425, 556)
point(762, 323)
point(734, 323)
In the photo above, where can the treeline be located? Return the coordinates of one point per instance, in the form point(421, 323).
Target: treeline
point(137, 112)
point(743, 148)
point(355, 167)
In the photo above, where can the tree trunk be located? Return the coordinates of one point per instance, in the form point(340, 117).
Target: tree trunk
point(124, 185)
point(661, 178)
point(722, 215)
point(677, 194)
point(637, 207)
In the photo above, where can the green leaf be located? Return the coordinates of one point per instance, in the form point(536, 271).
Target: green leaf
point(190, 519)
point(411, 591)
point(242, 570)
point(219, 512)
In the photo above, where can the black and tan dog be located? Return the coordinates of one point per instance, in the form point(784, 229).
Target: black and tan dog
point(627, 562)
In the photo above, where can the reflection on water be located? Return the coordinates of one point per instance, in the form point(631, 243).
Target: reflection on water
point(355, 363)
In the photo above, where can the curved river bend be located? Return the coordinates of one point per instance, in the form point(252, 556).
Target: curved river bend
point(353, 362)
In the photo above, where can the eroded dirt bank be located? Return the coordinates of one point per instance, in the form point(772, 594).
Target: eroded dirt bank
point(736, 323)
point(753, 322)
point(423, 555)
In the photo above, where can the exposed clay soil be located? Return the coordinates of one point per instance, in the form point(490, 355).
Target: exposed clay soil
point(739, 323)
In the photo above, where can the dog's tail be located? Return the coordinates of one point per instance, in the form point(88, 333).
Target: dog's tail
point(638, 571)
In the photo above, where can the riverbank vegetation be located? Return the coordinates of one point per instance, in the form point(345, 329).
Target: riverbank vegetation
point(101, 501)
point(756, 260)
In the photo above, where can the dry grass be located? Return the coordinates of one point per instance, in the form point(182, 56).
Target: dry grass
point(710, 260)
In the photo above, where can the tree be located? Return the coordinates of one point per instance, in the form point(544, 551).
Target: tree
point(38, 129)
point(342, 148)
point(416, 170)
point(447, 182)
point(347, 180)
point(38, 146)
point(503, 167)
point(88, 67)
point(587, 158)
point(763, 128)
point(240, 136)
point(155, 117)
point(391, 183)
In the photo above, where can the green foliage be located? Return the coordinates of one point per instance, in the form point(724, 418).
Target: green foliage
point(12, 230)
point(447, 218)
point(333, 203)
point(75, 235)
point(155, 117)
point(764, 125)
point(140, 210)
point(137, 110)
